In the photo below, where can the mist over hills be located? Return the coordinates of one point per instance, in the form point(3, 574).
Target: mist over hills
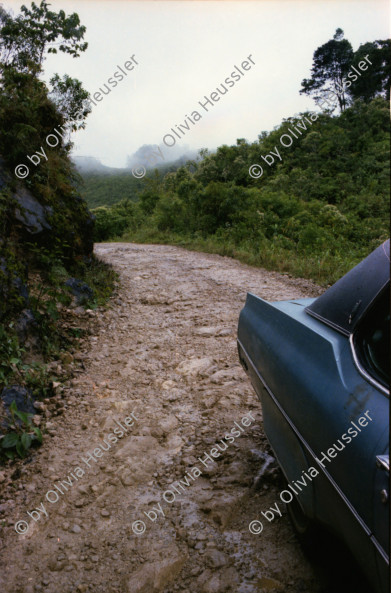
point(150, 156)
point(105, 186)
point(153, 155)
point(90, 164)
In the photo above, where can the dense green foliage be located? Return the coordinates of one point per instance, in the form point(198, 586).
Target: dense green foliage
point(316, 213)
point(378, 81)
point(106, 190)
point(30, 111)
point(22, 436)
point(45, 225)
point(43, 221)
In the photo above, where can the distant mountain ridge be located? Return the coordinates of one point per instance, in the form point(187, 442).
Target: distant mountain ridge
point(90, 164)
point(150, 156)
point(153, 155)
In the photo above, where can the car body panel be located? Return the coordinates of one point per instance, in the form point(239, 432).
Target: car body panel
point(304, 372)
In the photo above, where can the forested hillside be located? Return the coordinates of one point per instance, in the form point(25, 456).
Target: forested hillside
point(316, 212)
point(311, 197)
point(100, 189)
point(106, 189)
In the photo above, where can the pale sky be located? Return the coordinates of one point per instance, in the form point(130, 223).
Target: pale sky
point(184, 50)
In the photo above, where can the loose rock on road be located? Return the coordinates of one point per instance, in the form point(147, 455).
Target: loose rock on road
point(165, 351)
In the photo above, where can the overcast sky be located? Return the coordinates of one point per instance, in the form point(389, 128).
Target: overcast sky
point(185, 49)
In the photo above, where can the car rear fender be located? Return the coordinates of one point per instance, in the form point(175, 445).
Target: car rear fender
point(282, 437)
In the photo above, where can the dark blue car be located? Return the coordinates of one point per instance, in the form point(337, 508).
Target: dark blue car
point(320, 368)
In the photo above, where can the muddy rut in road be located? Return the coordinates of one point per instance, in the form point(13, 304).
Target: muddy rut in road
point(161, 368)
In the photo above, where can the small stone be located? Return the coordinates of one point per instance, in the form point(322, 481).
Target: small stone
point(88, 566)
point(200, 546)
point(40, 406)
point(105, 513)
point(76, 529)
point(57, 566)
point(267, 584)
point(66, 357)
point(216, 559)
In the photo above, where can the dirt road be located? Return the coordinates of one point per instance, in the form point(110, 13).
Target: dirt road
point(162, 368)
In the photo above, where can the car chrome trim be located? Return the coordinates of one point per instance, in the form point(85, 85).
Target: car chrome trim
point(362, 523)
point(363, 372)
point(326, 321)
point(383, 462)
point(380, 549)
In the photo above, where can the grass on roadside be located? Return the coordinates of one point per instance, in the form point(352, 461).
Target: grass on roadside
point(324, 270)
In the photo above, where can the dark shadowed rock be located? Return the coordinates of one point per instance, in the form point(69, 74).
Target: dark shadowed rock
point(80, 290)
point(62, 214)
point(23, 399)
point(32, 215)
point(25, 323)
point(21, 289)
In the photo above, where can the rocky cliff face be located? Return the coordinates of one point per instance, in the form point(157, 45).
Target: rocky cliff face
point(58, 225)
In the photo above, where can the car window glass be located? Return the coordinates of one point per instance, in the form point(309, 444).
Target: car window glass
point(372, 339)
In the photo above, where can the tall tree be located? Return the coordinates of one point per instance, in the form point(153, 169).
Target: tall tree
point(71, 101)
point(331, 62)
point(26, 38)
